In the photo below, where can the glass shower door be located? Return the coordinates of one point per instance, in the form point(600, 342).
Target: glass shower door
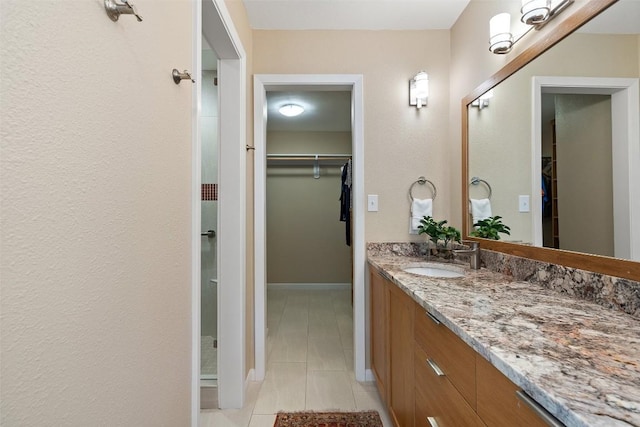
point(209, 247)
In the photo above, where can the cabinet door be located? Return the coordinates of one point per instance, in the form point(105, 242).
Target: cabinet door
point(454, 356)
point(401, 374)
point(498, 404)
point(438, 402)
point(379, 338)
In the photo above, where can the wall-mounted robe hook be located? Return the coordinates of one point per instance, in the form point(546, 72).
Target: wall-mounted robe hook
point(178, 76)
point(114, 10)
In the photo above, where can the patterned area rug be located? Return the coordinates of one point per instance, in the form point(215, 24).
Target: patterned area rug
point(328, 419)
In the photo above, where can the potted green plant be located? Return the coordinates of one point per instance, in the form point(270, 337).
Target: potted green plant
point(440, 234)
point(490, 227)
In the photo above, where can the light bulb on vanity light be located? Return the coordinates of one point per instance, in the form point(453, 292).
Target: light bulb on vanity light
point(500, 37)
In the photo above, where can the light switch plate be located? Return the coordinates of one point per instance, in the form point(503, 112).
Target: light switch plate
point(372, 203)
point(523, 203)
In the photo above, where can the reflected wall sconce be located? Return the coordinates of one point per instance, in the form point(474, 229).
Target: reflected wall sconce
point(291, 110)
point(419, 89)
point(483, 101)
point(536, 13)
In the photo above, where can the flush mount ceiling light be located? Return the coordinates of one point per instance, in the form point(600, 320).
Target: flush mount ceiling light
point(419, 89)
point(291, 110)
point(536, 13)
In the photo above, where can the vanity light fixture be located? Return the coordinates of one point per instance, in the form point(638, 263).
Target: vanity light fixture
point(483, 100)
point(291, 110)
point(500, 37)
point(419, 89)
point(536, 13)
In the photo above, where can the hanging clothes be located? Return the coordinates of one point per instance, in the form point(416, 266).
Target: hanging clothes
point(345, 200)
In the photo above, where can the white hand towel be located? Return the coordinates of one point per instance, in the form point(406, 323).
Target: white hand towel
point(480, 209)
point(420, 208)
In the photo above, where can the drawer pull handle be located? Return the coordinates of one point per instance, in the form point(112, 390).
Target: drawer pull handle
point(432, 317)
point(539, 410)
point(435, 368)
point(432, 422)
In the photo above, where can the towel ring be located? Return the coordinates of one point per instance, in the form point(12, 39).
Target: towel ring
point(475, 181)
point(422, 181)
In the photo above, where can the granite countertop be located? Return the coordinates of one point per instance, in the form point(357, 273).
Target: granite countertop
point(579, 360)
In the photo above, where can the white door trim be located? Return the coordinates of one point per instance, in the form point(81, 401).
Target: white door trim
point(212, 20)
point(353, 82)
point(625, 110)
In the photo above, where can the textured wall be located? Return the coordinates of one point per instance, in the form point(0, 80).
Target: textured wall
point(95, 178)
point(401, 143)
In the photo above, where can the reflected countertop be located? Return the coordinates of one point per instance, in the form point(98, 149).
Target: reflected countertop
point(579, 360)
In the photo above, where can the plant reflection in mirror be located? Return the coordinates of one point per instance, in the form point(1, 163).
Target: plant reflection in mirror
point(489, 228)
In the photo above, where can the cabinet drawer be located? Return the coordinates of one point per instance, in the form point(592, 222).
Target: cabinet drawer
point(498, 404)
point(454, 356)
point(439, 401)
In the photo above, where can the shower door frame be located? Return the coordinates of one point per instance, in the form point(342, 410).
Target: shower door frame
point(212, 20)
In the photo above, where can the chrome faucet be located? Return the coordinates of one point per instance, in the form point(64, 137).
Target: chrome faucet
point(473, 251)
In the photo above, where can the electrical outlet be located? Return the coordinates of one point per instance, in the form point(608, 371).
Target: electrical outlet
point(523, 203)
point(372, 203)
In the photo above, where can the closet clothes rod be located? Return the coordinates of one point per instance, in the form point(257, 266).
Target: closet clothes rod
point(308, 156)
point(315, 158)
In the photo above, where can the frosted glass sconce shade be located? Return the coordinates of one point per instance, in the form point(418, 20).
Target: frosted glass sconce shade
point(419, 89)
point(534, 11)
point(500, 38)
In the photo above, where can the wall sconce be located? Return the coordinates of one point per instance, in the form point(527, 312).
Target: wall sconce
point(419, 89)
point(291, 110)
point(536, 13)
point(500, 37)
point(483, 101)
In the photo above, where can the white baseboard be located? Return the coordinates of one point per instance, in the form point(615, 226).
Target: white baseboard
point(250, 377)
point(310, 286)
point(368, 375)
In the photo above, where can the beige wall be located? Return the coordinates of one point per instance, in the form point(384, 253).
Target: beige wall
point(96, 215)
point(585, 177)
point(305, 239)
point(401, 143)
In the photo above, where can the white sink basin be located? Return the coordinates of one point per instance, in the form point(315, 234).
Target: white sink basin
point(433, 272)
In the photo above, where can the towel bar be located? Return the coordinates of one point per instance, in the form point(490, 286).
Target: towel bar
point(422, 181)
point(475, 181)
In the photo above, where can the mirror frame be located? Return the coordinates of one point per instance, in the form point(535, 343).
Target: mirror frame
point(595, 263)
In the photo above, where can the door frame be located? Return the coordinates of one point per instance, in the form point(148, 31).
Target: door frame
point(354, 83)
point(625, 110)
point(212, 20)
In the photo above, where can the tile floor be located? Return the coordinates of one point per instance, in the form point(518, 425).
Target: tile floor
point(309, 362)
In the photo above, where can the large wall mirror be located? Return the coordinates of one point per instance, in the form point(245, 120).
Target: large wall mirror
point(556, 149)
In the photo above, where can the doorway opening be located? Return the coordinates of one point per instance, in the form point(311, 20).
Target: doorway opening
point(625, 154)
point(336, 83)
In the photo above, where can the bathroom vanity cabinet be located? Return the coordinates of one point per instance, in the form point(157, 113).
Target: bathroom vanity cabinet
point(428, 376)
